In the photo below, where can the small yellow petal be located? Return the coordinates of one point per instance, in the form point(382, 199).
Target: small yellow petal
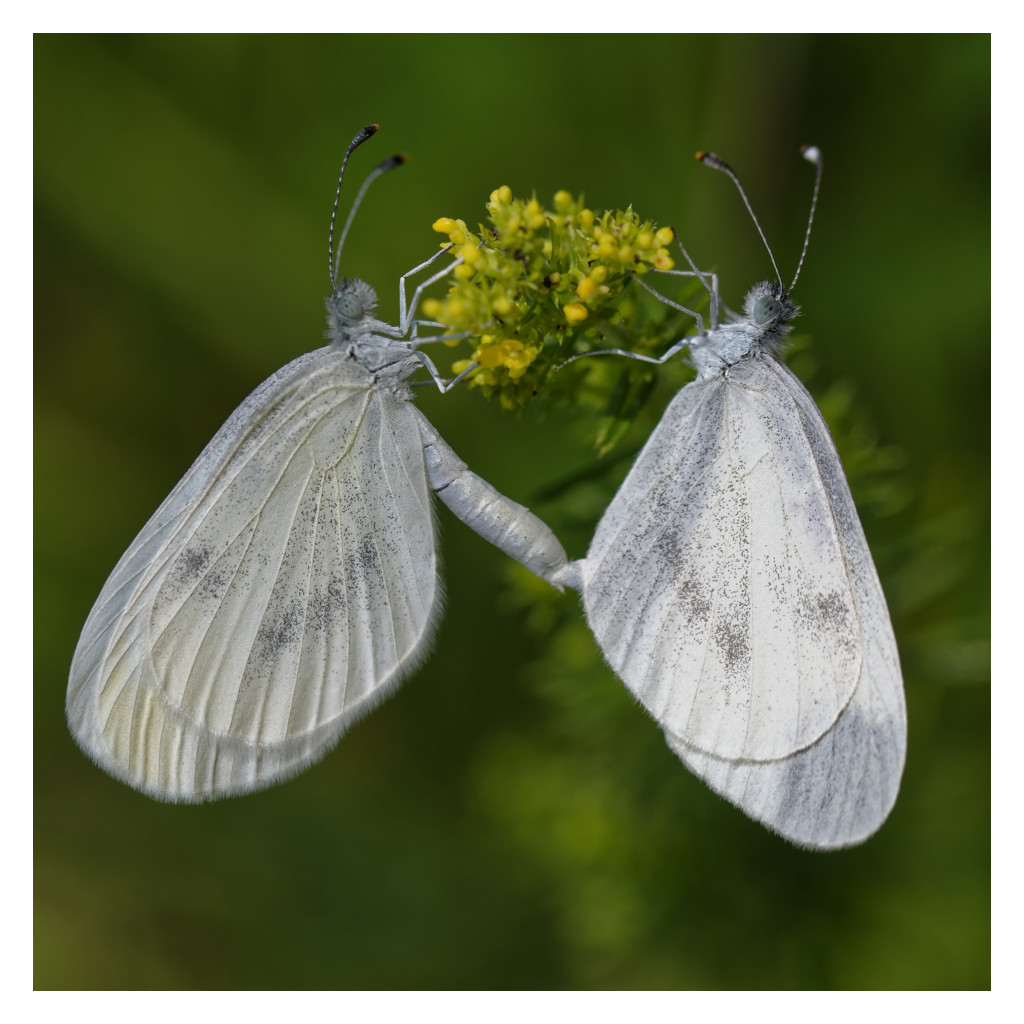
point(443, 225)
point(490, 355)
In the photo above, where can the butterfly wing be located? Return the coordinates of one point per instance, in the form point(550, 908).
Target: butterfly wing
point(838, 791)
point(717, 583)
point(835, 793)
point(284, 587)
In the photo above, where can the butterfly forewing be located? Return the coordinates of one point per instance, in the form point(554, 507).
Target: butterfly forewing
point(716, 582)
point(282, 588)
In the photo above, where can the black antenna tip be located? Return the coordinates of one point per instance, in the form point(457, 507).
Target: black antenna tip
point(715, 161)
point(390, 164)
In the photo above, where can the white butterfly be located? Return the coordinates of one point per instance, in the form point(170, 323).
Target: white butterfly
point(730, 586)
point(289, 581)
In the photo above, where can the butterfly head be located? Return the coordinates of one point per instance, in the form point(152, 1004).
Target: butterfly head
point(349, 309)
point(769, 311)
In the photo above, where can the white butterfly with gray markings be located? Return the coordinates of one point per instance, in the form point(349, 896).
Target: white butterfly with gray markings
point(289, 581)
point(730, 586)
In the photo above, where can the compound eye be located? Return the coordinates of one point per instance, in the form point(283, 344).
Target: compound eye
point(350, 306)
point(766, 309)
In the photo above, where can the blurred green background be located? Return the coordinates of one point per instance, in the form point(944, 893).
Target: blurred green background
point(510, 819)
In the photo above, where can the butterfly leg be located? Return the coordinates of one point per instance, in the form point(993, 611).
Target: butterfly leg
point(443, 385)
point(404, 313)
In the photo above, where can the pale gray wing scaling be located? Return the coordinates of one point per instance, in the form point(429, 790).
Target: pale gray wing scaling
point(840, 790)
point(715, 583)
point(233, 642)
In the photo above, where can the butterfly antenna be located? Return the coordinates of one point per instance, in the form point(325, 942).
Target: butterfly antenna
point(333, 259)
point(387, 165)
point(813, 154)
point(720, 165)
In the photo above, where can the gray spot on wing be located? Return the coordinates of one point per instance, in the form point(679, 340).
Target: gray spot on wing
point(695, 600)
point(281, 632)
point(832, 615)
point(733, 640)
point(192, 563)
point(327, 607)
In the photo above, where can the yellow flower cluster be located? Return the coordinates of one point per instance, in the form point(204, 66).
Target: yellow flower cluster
point(535, 283)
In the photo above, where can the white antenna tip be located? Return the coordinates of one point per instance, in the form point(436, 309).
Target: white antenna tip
point(813, 154)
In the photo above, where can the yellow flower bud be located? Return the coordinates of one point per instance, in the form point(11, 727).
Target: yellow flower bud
point(586, 288)
point(586, 218)
point(575, 312)
point(443, 225)
point(644, 240)
point(563, 201)
point(463, 272)
point(663, 236)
